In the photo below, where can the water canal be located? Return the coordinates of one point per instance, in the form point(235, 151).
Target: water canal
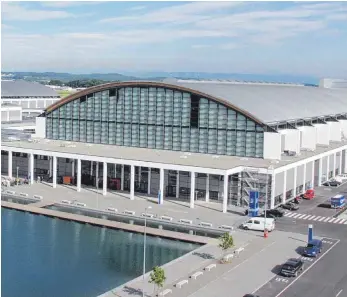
point(44, 257)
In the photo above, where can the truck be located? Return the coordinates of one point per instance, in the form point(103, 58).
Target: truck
point(338, 201)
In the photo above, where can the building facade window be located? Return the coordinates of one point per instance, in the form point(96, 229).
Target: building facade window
point(157, 118)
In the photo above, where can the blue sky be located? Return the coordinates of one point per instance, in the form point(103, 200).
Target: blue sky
point(300, 38)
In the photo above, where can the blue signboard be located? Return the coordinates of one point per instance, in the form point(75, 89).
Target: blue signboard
point(253, 203)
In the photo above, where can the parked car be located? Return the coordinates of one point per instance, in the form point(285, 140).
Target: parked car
point(275, 213)
point(332, 183)
point(292, 267)
point(297, 199)
point(341, 177)
point(290, 206)
point(259, 224)
point(313, 248)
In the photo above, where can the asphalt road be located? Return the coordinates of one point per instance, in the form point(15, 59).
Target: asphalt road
point(325, 276)
point(280, 286)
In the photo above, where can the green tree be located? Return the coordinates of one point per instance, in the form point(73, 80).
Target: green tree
point(56, 82)
point(226, 241)
point(157, 277)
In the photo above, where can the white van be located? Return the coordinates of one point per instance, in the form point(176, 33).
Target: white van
point(258, 224)
point(341, 177)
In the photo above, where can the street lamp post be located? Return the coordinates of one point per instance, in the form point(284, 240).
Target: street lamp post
point(266, 195)
point(97, 193)
point(144, 252)
point(17, 176)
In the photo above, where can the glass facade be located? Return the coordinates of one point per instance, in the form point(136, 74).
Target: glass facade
point(158, 118)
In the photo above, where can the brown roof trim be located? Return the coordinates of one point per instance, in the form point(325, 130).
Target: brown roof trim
point(107, 86)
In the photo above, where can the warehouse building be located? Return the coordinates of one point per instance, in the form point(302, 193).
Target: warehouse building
point(32, 97)
point(209, 141)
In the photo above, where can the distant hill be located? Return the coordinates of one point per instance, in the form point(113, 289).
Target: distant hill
point(157, 76)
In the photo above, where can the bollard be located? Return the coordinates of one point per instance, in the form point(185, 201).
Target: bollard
point(266, 233)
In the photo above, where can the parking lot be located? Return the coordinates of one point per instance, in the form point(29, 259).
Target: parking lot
point(278, 285)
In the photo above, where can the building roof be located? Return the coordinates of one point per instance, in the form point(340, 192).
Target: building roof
point(21, 88)
point(263, 103)
point(274, 103)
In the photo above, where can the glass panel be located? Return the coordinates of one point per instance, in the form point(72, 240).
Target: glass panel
point(151, 137)
point(231, 143)
point(68, 110)
point(143, 135)
point(119, 133)
point(221, 139)
point(240, 143)
point(160, 107)
point(62, 129)
point(62, 111)
point(241, 122)
point(55, 129)
point(136, 106)
point(168, 138)
point(135, 135)
point(231, 119)
point(212, 141)
point(222, 117)
point(159, 137)
point(82, 133)
point(83, 107)
point(185, 139)
point(90, 108)
point(185, 110)
point(152, 106)
point(111, 133)
point(97, 132)
point(203, 113)
point(97, 107)
point(194, 140)
point(203, 139)
point(90, 131)
point(104, 132)
point(68, 129)
point(144, 106)
point(75, 130)
point(127, 134)
point(212, 114)
point(169, 107)
point(177, 109)
point(120, 106)
point(176, 138)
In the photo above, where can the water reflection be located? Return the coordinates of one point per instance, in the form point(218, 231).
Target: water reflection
point(87, 260)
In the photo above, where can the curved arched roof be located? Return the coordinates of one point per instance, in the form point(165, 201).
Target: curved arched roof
point(265, 104)
point(108, 86)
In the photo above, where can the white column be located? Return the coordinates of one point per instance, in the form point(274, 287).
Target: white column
point(31, 168)
point(295, 177)
point(192, 189)
point(73, 167)
point(334, 165)
point(304, 181)
point(320, 172)
point(345, 169)
point(149, 181)
point(9, 164)
point(50, 166)
point(328, 166)
point(284, 195)
point(272, 193)
point(104, 179)
point(177, 184)
point(97, 175)
point(340, 163)
point(122, 178)
point(91, 167)
point(225, 193)
point(207, 197)
point(79, 169)
point(313, 174)
point(54, 171)
point(161, 186)
point(132, 181)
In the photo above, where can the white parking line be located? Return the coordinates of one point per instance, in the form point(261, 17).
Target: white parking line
point(296, 215)
point(337, 295)
point(338, 221)
point(305, 217)
point(331, 220)
point(301, 216)
point(310, 217)
point(316, 218)
point(321, 219)
point(289, 215)
point(314, 263)
point(327, 219)
point(345, 223)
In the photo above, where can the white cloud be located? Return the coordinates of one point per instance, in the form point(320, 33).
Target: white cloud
point(178, 14)
point(140, 7)
point(64, 4)
point(14, 11)
point(199, 46)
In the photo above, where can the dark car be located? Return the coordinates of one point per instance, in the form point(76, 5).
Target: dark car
point(292, 267)
point(313, 248)
point(333, 183)
point(290, 206)
point(274, 213)
point(251, 295)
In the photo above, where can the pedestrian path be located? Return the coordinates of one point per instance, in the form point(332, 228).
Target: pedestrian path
point(300, 216)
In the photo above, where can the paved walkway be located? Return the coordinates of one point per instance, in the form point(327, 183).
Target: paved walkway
point(203, 212)
point(250, 270)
